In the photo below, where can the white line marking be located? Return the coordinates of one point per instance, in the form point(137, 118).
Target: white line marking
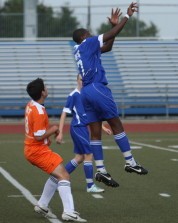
point(115, 147)
point(174, 147)
point(109, 147)
point(98, 196)
point(154, 147)
point(27, 194)
point(164, 195)
point(136, 147)
point(20, 195)
point(157, 140)
point(174, 159)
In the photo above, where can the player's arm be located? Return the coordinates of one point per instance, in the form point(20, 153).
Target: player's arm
point(117, 29)
point(59, 137)
point(113, 20)
point(51, 131)
point(107, 130)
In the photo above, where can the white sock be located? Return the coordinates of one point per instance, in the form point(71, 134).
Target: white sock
point(102, 170)
point(132, 162)
point(48, 191)
point(66, 195)
point(100, 166)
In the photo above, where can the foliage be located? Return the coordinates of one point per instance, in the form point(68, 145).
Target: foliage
point(60, 24)
point(11, 25)
point(50, 23)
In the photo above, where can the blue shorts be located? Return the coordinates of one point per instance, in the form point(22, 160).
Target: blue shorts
point(98, 102)
point(81, 141)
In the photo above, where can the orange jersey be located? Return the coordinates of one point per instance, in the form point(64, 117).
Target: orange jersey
point(38, 152)
point(36, 123)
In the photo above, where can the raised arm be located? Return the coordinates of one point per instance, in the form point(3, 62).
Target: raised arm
point(117, 28)
point(113, 20)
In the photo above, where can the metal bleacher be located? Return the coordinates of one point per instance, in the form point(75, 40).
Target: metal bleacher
point(143, 75)
point(148, 77)
point(21, 62)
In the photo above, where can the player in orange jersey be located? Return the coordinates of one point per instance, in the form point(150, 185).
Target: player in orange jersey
point(38, 153)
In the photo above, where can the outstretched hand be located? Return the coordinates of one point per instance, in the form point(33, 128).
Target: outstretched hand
point(114, 20)
point(133, 7)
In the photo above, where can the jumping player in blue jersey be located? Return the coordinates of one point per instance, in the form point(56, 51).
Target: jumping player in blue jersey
point(80, 136)
point(97, 97)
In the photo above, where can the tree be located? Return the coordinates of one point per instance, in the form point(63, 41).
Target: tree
point(60, 24)
point(67, 22)
point(11, 19)
point(50, 24)
point(130, 29)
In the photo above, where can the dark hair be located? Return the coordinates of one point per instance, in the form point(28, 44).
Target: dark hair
point(77, 34)
point(35, 88)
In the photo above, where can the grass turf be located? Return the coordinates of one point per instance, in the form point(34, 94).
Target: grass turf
point(137, 200)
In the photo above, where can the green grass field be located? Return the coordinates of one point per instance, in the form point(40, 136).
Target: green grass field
point(137, 200)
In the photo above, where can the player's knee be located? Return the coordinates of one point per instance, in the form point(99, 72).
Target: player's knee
point(65, 176)
point(79, 159)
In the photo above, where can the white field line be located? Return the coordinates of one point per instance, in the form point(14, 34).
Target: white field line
point(20, 195)
point(174, 147)
point(164, 195)
point(154, 147)
point(27, 194)
point(98, 196)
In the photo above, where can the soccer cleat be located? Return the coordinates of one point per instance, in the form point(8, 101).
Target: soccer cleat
point(95, 189)
point(106, 179)
point(135, 169)
point(44, 211)
point(72, 217)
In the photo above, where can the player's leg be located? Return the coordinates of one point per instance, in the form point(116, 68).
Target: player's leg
point(88, 169)
point(83, 151)
point(96, 145)
point(47, 194)
point(73, 164)
point(42, 159)
point(65, 193)
point(51, 163)
point(94, 97)
point(102, 175)
point(123, 143)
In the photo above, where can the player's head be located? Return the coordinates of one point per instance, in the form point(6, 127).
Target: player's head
point(79, 81)
point(80, 34)
point(36, 89)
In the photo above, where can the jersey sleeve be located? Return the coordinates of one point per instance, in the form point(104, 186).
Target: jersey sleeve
point(69, 105)
point(94, 43)
point(100, 39)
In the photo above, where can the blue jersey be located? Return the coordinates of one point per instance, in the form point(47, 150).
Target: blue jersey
point(88, 58)
point(75, 107)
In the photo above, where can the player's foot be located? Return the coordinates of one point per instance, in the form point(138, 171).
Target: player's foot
point(72, 217)
point(135, 169)
point(44, 211)
point(106, 179)
point(95, 189)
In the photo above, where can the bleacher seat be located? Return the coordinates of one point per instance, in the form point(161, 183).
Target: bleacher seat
point(143, 75)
